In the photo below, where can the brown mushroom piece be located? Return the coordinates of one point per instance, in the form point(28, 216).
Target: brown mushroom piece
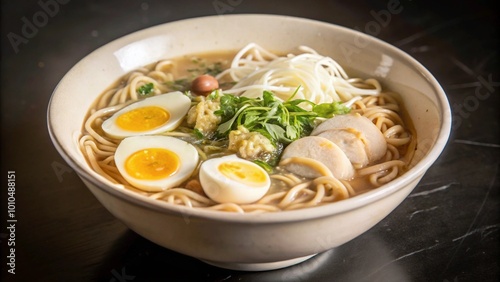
point(319, 149)
point(204, 85)
point(374, 140)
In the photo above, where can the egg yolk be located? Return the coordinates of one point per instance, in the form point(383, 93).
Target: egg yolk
point(243, 172)
point(143, 119)
point(152, 164)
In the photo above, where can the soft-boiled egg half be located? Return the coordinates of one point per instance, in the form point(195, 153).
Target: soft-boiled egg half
point(231, 179)
point(155, 163)
point(152, 115)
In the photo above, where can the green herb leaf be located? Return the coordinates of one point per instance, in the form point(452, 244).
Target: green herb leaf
point(280, 122)
point(225, 127)
point(268, 97)
point(198, 134)
point(215, 69)
point(146, 89)
point(203, 68)
point(328, 110)
point(268, 168)
point(182, 84)
point(213, 95)
point(277, 132)
point(292, 132)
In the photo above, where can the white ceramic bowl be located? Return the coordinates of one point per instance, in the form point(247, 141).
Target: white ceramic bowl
point(250, 241)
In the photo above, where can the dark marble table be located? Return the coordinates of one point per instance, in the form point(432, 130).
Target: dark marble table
point(446, 230)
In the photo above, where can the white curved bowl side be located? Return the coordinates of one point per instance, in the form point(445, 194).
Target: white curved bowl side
point(260, 238)
point(246, 242)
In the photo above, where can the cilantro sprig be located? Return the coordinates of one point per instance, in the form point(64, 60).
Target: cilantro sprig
point(280, 121)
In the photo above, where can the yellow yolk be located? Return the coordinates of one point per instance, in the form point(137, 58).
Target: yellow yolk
point(143, 119)
point(242, 172)
point(152, 164)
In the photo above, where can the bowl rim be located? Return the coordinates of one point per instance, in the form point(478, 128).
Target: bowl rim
point(282, 216)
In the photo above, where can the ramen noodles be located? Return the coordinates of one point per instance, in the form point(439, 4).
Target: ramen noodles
point(248, 131)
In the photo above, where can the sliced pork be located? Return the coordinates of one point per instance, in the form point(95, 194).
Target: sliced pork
point(370, 135)
point(321, 150)
point(350, 142)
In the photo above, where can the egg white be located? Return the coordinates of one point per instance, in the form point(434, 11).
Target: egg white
point(187, 153)
point(175, 103)
point(222, 189)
